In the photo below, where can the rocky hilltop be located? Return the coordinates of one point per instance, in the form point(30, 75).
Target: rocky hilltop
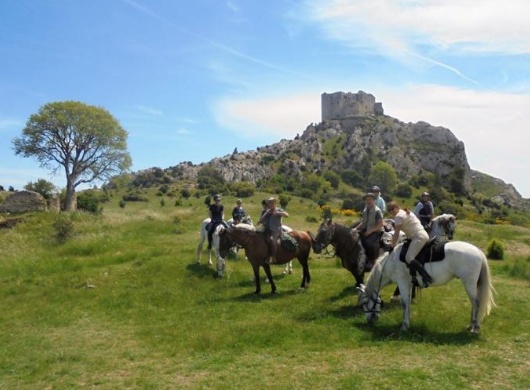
point(354, 134)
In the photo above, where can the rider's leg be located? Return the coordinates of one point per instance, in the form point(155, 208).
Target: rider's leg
point(211, 230)
point(418, 242)
point(273, 240)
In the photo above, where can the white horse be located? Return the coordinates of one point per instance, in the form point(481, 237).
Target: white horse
point(462, 260)
point(215, 244)
point(443, 227)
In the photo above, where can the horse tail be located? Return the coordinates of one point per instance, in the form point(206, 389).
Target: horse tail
point(485, 290)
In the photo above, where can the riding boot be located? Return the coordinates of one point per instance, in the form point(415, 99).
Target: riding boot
point(416, 266)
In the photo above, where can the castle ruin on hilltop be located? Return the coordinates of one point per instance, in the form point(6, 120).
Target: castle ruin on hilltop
point(341, 105)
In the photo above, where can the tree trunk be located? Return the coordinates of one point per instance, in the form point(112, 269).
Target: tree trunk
point(70, 201)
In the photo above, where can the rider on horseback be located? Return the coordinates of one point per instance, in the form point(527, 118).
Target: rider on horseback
point(371, 229)
point(424, 210)
point(238, 213)
point(272, 221)
point(410, 224)
point(217, 218)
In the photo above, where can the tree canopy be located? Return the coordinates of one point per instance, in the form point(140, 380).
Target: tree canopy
point(86, 141)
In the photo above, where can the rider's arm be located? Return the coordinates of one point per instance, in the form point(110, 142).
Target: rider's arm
point(417, 209)
point(263, 216)
point(360, 226)
point(395, 238)
point(282, 214)
point(378, 226)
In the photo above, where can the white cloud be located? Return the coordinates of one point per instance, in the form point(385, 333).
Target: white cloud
point(493, 125)
point(184, 131)
point(282, 117)
point(399, 25)
point(6, 124)
point(149, 110)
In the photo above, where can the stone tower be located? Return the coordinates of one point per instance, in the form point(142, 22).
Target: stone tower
point(340, 105)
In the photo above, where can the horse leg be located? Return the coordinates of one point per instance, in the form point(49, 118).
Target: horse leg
point(267, 269)
point(472, 293)
point(406, 292)
point(199, 251)
point(256, 279)
point(220, 262)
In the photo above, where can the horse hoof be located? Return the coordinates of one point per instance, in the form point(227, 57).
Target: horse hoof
point(267, 280)
point(284, 273)
point(403, 328)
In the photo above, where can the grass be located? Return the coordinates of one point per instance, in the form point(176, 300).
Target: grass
point(121, 305)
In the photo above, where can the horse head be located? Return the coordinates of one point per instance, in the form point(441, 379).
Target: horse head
point(324, 236)
point(447, 222)
point(372, 304)
point(226, 242)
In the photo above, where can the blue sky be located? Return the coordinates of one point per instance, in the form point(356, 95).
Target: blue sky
point(191, 80)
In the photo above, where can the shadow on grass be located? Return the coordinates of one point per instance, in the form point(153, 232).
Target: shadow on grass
point(265, 294)
point(417, 334)
point(201, 270)
point(348, 291)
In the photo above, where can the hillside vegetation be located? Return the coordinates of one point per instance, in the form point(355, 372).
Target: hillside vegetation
point(121, 304)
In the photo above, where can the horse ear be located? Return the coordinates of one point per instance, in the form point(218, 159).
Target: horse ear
point(329, 221)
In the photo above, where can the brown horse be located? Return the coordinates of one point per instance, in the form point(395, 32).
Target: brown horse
point(348, 247)
point(256, 248)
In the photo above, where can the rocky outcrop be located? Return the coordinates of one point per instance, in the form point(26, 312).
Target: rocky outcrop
point(354, 133)
point(23, 202)
point(498, 191)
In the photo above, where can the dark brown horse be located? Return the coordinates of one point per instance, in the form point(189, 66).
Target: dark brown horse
point(257, 252)
point(348, 247)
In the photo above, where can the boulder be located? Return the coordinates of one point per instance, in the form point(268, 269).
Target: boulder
point(23, 202)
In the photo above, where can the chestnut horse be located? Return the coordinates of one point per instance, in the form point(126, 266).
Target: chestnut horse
point(256, 248)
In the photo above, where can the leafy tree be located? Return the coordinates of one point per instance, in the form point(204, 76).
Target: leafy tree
point(86, 141)
point(384, 176)
point(2, 188)
point(284, 201)
point(243, 189)
point(456, 181)
point(333, 178)
point(353, 178)
point(404, 190)
point(42, 186)
point(11, 189)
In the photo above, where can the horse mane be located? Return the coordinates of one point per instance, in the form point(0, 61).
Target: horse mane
point(344, 243)
point(375, 275)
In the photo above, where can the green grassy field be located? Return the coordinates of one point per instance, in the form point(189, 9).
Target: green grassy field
point(122, 305)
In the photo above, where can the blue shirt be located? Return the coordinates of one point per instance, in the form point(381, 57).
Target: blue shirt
point(380, 203)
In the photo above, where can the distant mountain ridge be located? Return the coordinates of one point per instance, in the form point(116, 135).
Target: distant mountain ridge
point(354, 134)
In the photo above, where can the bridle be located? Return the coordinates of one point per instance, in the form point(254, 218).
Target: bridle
point(325, 246)
point(378, 302)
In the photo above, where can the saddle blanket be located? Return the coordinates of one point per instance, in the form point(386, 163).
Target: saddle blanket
point(431, 252)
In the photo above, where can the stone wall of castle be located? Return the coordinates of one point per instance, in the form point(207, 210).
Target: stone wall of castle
point(341, 105)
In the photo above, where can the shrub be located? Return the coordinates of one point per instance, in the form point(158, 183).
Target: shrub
point(122, 204)
point(134, 198)
point(177, 220)
point(326, 212)
point(162, 202)
point(333, 178)
point(284, 201)
point(243, 189)
point(89, 201)
point(208, 200)
point(178, 202)
point(404, 190)
point(64, 228)
point(449, 207)
point(163, 188)
point(185, 193)
point(311, 219)
point(495, 250)
point(353, 202)
point(42, 186)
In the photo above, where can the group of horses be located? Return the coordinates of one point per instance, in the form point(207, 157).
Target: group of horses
point(462, 260)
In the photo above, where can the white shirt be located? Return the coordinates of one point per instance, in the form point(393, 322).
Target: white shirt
point(410, 224)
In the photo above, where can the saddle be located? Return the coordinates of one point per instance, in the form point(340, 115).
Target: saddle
point(433, 251)
point(288, 243)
